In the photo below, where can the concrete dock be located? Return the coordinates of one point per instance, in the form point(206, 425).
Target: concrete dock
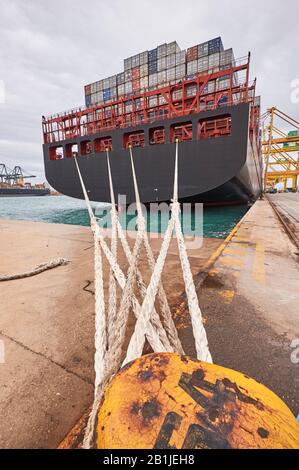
point(47, 327)
point(248, 295)
point(251, 303)
point(287, 205)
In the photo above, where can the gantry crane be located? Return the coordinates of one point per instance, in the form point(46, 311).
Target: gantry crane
point(12, 176)
point(280, 142)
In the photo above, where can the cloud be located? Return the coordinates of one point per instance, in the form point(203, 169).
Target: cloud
point(51, 49)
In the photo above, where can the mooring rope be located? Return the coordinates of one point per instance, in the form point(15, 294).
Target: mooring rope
point(165, 310)
point(130, 257)
point(110, 329)
point(37, 270)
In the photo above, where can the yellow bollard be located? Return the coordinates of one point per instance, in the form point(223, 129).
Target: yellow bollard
point(164, 400)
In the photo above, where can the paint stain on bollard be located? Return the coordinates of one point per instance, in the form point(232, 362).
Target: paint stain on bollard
point(168, 401)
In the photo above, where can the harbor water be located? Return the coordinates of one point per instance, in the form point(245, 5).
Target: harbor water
point(214, 222)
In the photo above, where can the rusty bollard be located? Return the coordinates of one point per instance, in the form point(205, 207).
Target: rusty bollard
point(168, 401)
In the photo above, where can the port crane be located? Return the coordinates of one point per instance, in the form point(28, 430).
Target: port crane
point(280, 141)
point(12, 176)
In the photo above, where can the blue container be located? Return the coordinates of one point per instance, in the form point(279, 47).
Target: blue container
point(152, 67)
point(152, 55)
point(223, 100)
point(88, 100)
point(106, 94)
point(215, 45)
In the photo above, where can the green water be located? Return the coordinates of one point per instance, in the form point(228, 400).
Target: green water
point(217, 221)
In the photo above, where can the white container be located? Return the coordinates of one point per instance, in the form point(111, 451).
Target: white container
point(120, 78)
point(121, 89)
point(227, 57)
point(153, 101)
point(170, 61)
point(106, 83)
point(135, 60)
point(143, 70)
point(128, 75)
point(143, 58)
point(162, 64)
point(223, 84)
point(143, 82)
point(180, 71)
point(99, 97)
point(128, 87)
point(214, 60)
point(170, 74)
point(191, 90)
point(172, 48)
point(93, 98)
point(128, 63)
point(93, 87)
point(203, 49)
point(177, 95)
point(180, 58)
point(128, 107)
point(192, 67)
point(107, 111)
point(162, 50)
point(214, 70)
point(113, 92)
point(203, 64)
point(211, 86)
point(162, 76)
point(152, 79)
point(112, 81)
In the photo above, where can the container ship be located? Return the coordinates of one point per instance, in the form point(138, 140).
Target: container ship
point(201, 96)
point(12, 183)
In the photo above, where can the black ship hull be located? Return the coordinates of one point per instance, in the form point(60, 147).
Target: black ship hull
point(23, 192)
point(222, 170)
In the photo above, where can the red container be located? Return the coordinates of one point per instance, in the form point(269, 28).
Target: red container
point(87, 89)
point(135, 73)
point(136, 84)
point(192, 53)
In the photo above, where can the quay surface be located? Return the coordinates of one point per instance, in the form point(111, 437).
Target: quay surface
point(251, 303)
point(47, 327)
point(248, 296)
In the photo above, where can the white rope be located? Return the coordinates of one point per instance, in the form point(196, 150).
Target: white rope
point(137, 340)
point(37, 270)
point(100, 320)
point(163, 341)
point(105, 367)
point(199, 332)
point(110, 330)
point(112, 283)
point(165, 310)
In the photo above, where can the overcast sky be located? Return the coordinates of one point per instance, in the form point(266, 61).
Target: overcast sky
point(50, 49)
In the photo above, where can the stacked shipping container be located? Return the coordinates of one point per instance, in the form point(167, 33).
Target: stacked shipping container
point(166, 63)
